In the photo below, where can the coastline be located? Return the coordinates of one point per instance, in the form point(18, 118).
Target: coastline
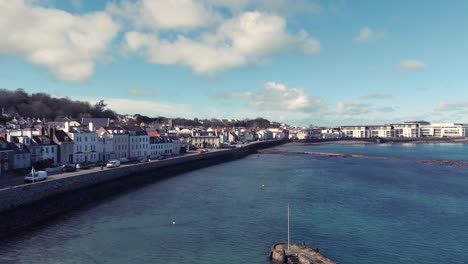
point(352, 141)
point(28, 205)
point(451, 163)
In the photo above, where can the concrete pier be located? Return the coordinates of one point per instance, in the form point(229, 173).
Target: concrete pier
point(297, 254)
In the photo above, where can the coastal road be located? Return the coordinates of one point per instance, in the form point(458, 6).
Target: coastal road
point(11, 182)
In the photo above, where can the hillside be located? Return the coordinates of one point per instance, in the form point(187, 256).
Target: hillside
point(43, 105)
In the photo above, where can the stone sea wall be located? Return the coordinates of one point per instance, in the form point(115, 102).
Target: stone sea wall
point(26, 205)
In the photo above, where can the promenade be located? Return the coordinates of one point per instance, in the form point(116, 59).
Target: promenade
point(11, 181)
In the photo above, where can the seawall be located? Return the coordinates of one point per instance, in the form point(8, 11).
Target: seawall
point(30, 204)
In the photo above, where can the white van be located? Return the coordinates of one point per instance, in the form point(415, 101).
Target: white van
point(113, 163)
point(36, 176)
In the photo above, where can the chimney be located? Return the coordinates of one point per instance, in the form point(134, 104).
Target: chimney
point(67, 127)
point(91, 126)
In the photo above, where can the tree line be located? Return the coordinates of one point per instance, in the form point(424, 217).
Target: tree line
point(42, 105)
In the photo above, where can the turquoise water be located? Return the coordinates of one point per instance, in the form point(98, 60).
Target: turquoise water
point(354, 210)
point(449, 151)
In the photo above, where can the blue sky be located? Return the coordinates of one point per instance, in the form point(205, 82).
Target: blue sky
point(297, 61)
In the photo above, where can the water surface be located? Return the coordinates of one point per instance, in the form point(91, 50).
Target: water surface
point(448, 151)
point(354, 210)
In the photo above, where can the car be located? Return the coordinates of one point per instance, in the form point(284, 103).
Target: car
point(82, 166)
point(133, 159)
point(68, 168)
point(123, 160)
point(113, 163)
point(144, 160)
point(35, 176)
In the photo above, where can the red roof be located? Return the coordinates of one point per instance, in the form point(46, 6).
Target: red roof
point(153, 133)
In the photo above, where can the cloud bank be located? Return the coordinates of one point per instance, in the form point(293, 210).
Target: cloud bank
point(247, 38)
point(67, 45)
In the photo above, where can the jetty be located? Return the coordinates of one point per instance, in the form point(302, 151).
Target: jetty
point(292, 253)
point(297, 254)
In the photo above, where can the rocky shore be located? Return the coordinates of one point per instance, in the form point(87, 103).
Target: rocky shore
point(297, 254)
point(452, 163)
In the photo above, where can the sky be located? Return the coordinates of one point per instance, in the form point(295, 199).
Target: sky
point(301, 62)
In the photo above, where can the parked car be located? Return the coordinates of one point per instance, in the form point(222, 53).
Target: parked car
point(133, 159)
point(113, 163)
point(36, 176)
point(82, 166)
point(123, 160)
point(68, 168)
point(144, 160)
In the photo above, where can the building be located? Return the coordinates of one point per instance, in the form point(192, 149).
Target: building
point(385, 131)
point(139, 143)
point(205, 139)
point(304, 134)
point(6, 157)
point(85, 143)
point(21, 156)
point(409, 130)
point(44, 149)
point(65, 145)
point(228, 137)
point(120, 140)
point(355, 131)
point(95, 122)
point(444, 130)
point(105, 146)
point(163, 146)
point(329, 133)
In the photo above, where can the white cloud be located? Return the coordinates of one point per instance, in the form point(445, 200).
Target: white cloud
point(411, 65)
point(376, 96)
point(367, 34)
point(352, 108)
point(165, 15)
point(283, 7)
point(140, 92)
point(452, 105)
point(249, 37)
point(145, 107)
point(277, 97)
point(386, 109)
point(67, 45)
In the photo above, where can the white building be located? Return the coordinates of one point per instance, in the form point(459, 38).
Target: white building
point(86, 141)
point(385, 131)
point(163, 146)
point(139, 143)
point(331, 133)
point(410, 130)
point(120, 140)
point(205, 139)
point(355, 131)
point(444, 130)
point(44, 149)
point(105, 146)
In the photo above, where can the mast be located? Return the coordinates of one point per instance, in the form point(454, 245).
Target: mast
point(288, 226)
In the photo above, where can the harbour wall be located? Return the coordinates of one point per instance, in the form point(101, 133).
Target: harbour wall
point(30, 204)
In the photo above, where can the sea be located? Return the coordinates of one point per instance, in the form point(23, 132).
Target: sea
point(355, 210)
